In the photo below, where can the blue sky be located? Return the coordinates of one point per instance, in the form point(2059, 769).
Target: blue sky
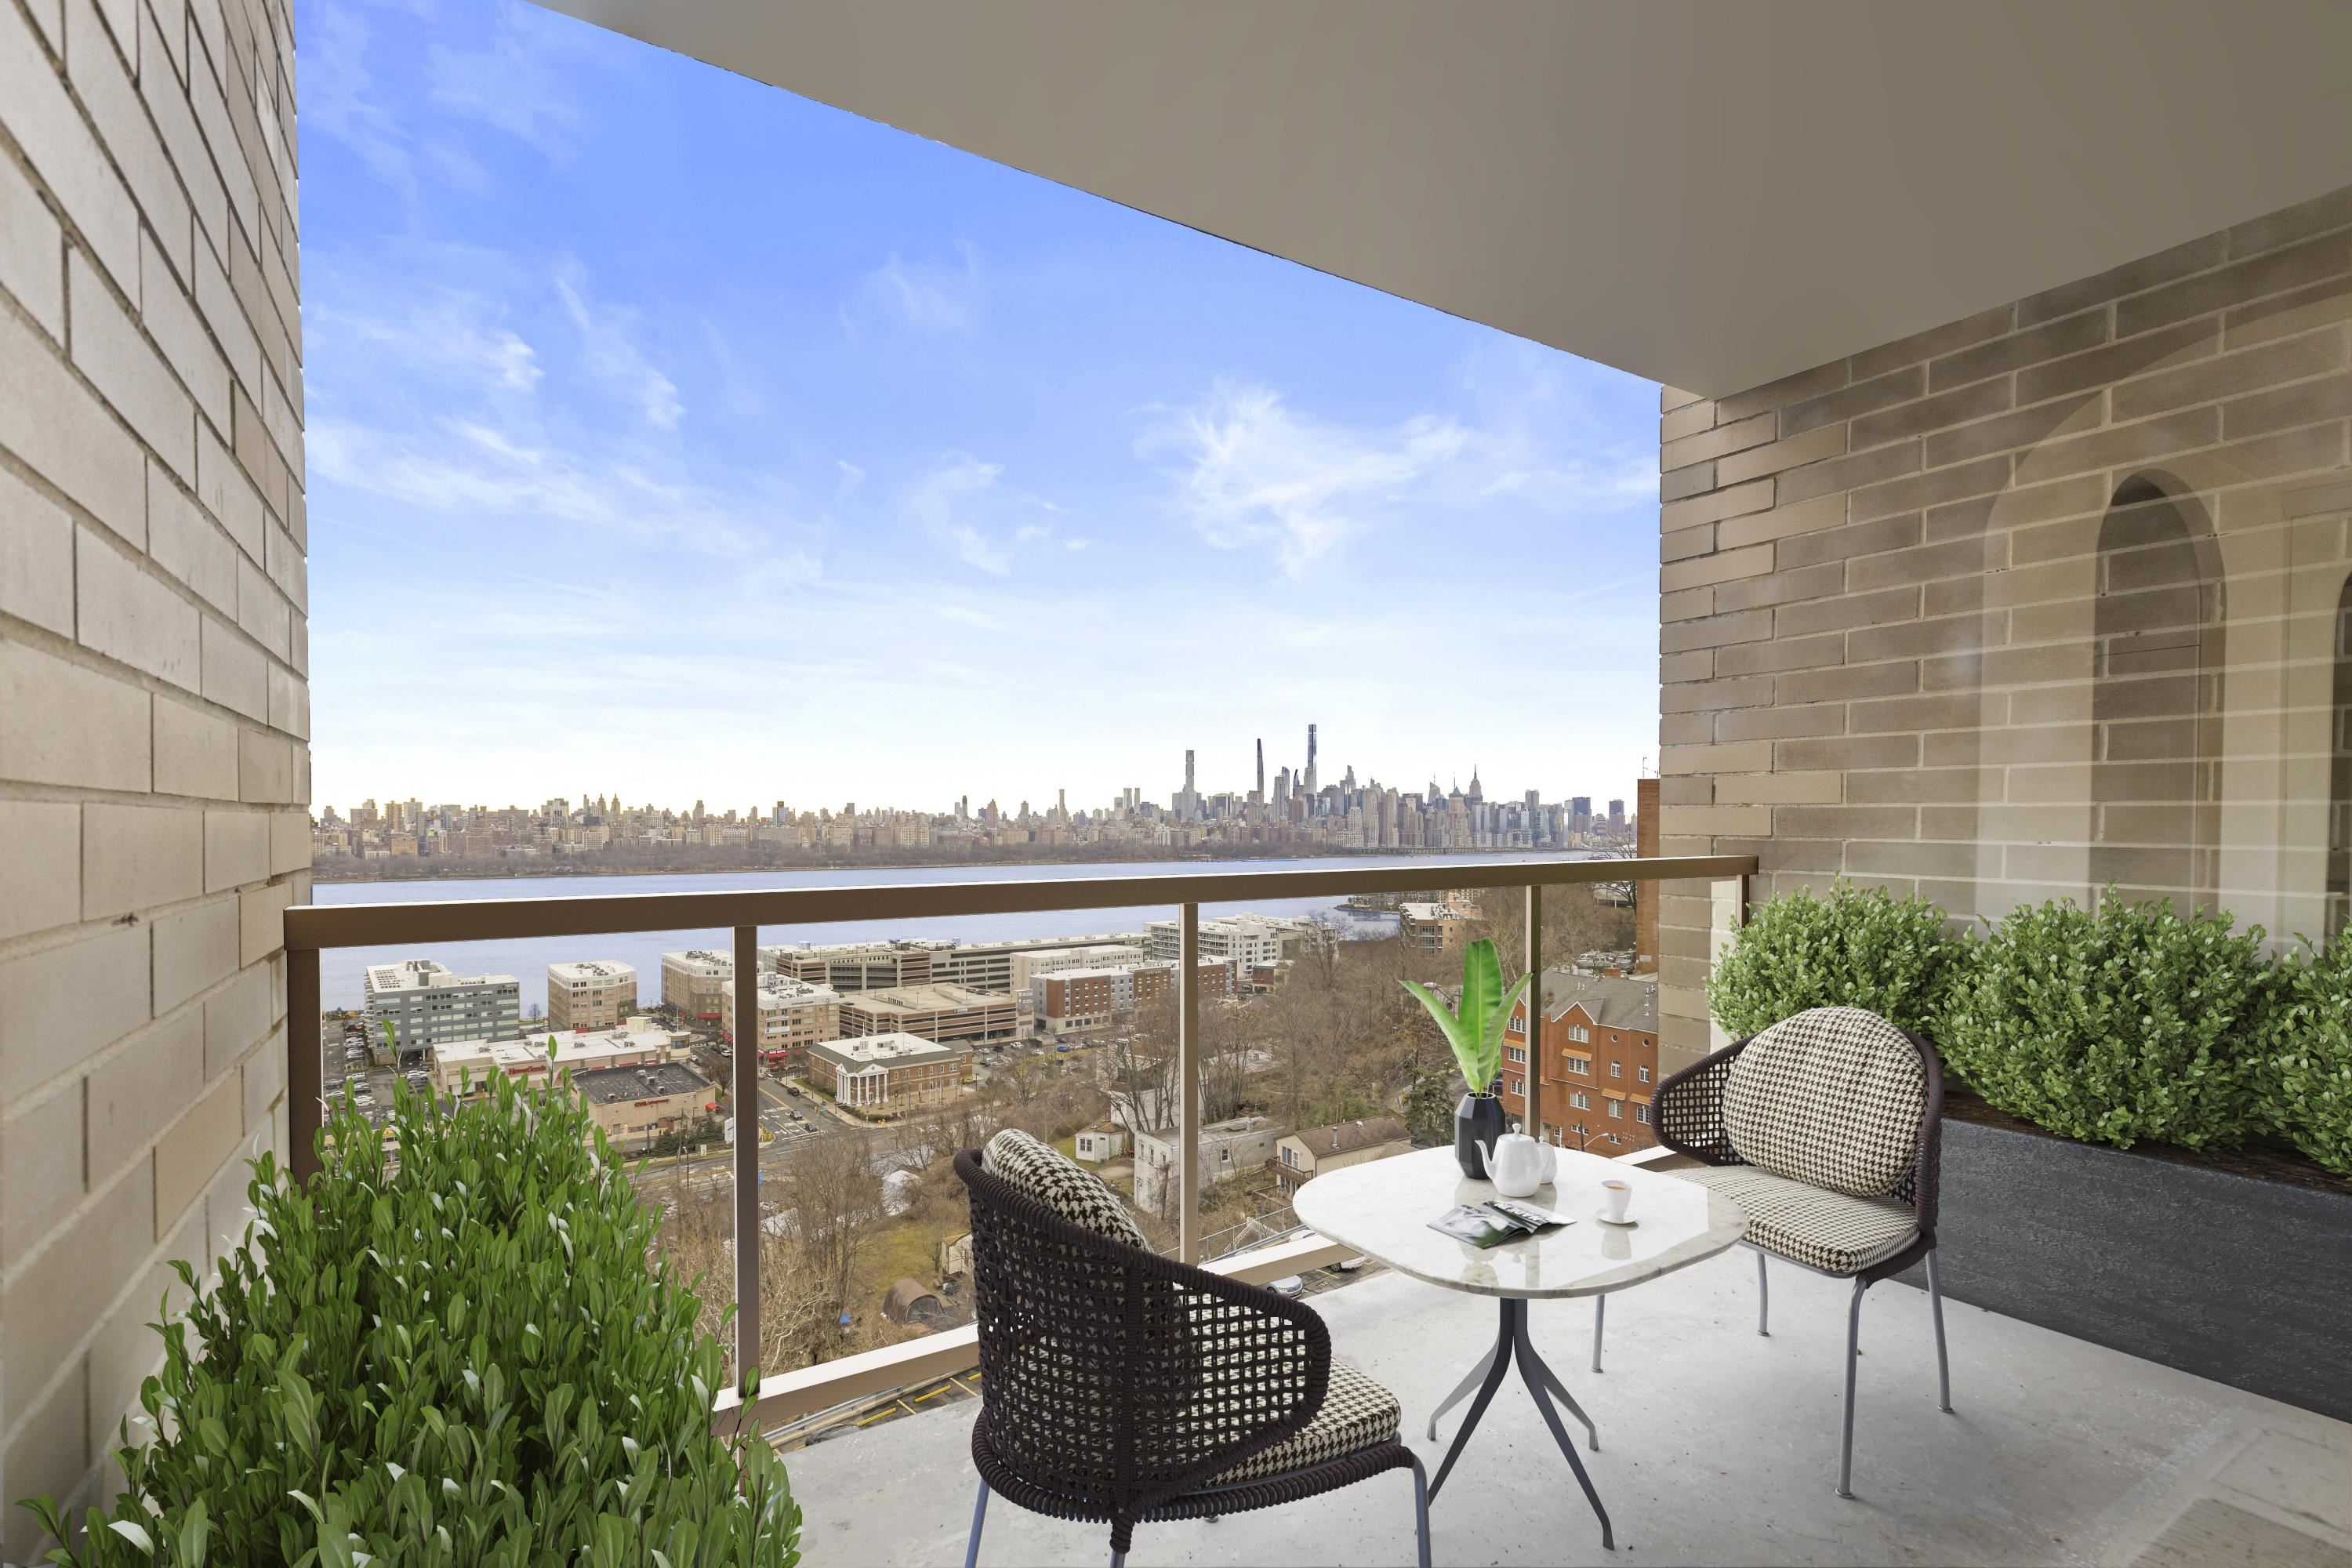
point(673, 436)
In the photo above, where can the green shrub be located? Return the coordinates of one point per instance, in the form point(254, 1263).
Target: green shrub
point(2116, 1025)
point(2308, 1091)
point(1855, 947)
point(468, 1361)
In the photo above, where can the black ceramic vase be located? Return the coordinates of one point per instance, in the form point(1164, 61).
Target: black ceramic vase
point(1479, 1118)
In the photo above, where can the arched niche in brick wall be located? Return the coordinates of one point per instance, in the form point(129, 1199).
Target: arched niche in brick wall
point(2156, 695)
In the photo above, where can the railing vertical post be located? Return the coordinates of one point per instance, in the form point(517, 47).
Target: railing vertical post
point(1533, 1096)
point(305, 1080)
point(1188, 1085)
point(746, 1105)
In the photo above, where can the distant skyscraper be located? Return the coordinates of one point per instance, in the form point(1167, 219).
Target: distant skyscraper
point(1188, 773)
point(1306, 781)
point(1261, 769)
point(1617, 813)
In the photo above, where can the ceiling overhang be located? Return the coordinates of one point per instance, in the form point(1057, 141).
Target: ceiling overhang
point(1710, 195)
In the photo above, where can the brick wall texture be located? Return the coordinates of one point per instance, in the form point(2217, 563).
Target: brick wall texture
point(153, 695)
point(2041, 600)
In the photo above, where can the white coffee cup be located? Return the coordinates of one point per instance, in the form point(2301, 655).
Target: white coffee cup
point(1614, 1195)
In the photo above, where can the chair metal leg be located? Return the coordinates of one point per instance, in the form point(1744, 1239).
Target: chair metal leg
point(1117, 1558)
point(979, 1517)
point(1599, 1321)
point(1462, 1390)
point(1852, 1357)
point(1421, 1510)
point(1943, 1366)
point(1763, 1300)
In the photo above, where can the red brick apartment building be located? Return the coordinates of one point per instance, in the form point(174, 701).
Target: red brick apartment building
point(1599, 1061)
point(1091, 998)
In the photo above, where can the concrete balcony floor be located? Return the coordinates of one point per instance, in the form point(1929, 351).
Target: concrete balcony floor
point(1717, 1447)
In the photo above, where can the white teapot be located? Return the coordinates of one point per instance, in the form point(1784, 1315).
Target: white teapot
point(1517, 1163)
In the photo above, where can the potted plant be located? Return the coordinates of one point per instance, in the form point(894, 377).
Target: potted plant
point(1474, 1027)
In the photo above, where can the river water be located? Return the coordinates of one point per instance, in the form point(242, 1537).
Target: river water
point(342, 970)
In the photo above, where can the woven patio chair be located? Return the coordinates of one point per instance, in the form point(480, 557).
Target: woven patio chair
point(1827, 1130)
point(1121, 1387)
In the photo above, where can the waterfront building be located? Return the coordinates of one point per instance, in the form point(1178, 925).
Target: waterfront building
point(594, 993)
point(692, 983)
point(425, 1005)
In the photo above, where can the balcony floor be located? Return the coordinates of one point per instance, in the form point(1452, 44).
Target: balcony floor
point(1716, 1448)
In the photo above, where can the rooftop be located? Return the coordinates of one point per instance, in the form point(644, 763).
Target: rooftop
point(927, 999)
point(1716, 1447)
point(591, 969)
point(426, 975)
point(1612, 1001)
point(896, 1050)
point(610, 1086)
point(1347, 1137)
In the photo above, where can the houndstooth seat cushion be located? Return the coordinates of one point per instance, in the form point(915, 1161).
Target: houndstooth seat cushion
point(1830, 1231)
point(1356, 1413)
point(1048, 1176)
point(1832, 1096)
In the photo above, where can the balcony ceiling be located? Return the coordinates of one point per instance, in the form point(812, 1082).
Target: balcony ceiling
point(1712, 196)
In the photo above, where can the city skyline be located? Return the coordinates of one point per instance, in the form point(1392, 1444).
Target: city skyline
point(1266, 784)
point(671, 432)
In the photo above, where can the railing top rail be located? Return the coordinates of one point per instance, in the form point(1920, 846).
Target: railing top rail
point(317, 926)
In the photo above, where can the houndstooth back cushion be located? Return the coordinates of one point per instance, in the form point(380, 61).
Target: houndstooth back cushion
point(1832, 1096)
point(1049, 1177)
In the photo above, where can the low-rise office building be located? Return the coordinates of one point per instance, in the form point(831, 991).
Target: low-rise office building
point(848, 966)
point(426, 1004)
point(889, 1072)
point(1249, 939)
point(594, 993)
point(693, 983)
point(1069, 1000)
point(933, 1012)
point(465, 1067)
point(794, 1016)
point(636, 1105)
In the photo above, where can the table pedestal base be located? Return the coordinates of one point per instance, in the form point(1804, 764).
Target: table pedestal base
point(1512, 1343)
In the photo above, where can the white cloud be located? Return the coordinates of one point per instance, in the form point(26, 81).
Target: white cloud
point(609, 352)
point(960, 505)
point(478, 472)
point(511, 85)
point(453, 333)
point(1246, 471)
point(933, 296)
point(852, 478)
point(1249, 472)
point(339, 95)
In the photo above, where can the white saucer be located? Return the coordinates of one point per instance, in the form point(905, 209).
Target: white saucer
point(1620, 1224)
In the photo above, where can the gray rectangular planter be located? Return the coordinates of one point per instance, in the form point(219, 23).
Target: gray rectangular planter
point(2245, 1280)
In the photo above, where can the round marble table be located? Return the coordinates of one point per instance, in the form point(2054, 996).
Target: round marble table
point(1382, 1209)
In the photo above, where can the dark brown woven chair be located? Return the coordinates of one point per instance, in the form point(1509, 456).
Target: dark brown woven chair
point(1120, 1386)
point(1827, 1130)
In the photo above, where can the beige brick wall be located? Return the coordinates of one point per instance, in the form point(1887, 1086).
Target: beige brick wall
point(2039, 600)
point(153, 700)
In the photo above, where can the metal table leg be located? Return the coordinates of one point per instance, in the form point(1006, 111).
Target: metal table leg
point(1513, 1345)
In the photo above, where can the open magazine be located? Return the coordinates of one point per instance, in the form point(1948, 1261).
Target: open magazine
point(1494, 1222)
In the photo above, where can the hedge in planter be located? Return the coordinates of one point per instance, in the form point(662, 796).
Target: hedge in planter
point(1855, 947)
point(2310, 1088)
point(468, 1361)
point(2116, 1025)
